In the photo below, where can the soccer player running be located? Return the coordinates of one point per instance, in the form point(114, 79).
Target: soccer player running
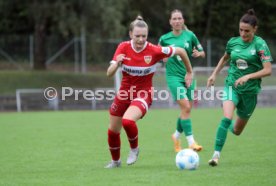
point(138, 59)
point(180, 36)
point(250, 60)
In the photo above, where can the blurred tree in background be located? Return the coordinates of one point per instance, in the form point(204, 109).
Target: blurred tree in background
point(109, 19)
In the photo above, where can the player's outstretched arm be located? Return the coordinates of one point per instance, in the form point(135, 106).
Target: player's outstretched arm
point(112, 69)
point(223, 60)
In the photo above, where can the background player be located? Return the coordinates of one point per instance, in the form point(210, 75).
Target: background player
point(180, 36)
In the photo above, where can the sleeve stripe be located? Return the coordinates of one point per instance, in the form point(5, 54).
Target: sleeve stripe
point(173, 51)
point(113, 62)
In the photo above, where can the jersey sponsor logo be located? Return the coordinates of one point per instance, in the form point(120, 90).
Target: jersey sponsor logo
point(132, 71)
point(138, 71)
point(166, 50)
point(147, 59)
point(241, 64)
point(147, 70)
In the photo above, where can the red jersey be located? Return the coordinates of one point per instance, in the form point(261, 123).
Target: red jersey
point(138, 67)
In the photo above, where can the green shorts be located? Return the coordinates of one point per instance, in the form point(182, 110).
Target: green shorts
point(245, 103)
point(179, 90)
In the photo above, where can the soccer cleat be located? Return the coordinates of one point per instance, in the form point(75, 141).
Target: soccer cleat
point(195, 147)
point(177, 144)
point(113, 164)
point(214, 161)
point(132, 156)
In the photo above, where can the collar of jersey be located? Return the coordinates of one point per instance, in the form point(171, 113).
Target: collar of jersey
point(132, 46)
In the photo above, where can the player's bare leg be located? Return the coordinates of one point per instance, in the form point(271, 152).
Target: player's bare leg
point(238, 126)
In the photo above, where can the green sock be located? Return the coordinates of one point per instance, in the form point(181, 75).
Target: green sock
point(186, 126)
point(222, 133)
point(178, 126)
point(231, 127)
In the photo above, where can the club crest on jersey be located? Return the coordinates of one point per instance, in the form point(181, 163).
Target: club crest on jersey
point(186, 45)
point(114, 107)
point(253, 52)
point(147, 59)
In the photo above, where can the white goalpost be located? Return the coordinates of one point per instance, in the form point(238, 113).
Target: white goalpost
point(19, 93)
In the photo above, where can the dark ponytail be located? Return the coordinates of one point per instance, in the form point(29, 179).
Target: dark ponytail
point(250, 18)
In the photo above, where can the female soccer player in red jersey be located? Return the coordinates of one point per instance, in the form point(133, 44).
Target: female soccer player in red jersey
point(138, 59)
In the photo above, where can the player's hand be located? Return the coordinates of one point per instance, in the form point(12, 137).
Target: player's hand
point(120, 58)
point(242, 80)
point(188, 79)
point(211, 81)
point(196, 53)
point(165, 60)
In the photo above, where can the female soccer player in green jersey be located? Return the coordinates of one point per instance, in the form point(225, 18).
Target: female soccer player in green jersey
point(180, 36)
point(250, 60)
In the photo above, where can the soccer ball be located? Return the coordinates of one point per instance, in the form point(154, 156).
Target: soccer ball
point(187, 159)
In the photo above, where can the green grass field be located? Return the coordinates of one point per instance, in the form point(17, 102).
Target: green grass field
point(70, 148)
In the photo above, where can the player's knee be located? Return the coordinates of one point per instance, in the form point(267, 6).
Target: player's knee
point(186, 109)
point(237, 132)
point(115, 125)
point(115, 128)
point(127, 122)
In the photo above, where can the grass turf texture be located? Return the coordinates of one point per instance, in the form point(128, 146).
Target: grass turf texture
point(70, 148)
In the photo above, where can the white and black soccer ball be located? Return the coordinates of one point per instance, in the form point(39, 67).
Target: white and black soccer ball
point(187, 159)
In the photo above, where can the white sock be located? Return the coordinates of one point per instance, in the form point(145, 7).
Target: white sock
point(216, 154)
point(177, 134)
point(135, 150)
point(190, 140)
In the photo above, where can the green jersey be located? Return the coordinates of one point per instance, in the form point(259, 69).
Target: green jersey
point(246, 58)
point(174, 66)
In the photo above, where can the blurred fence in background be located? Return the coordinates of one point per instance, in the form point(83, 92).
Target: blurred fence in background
point(18, 50)
point(35, 100)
